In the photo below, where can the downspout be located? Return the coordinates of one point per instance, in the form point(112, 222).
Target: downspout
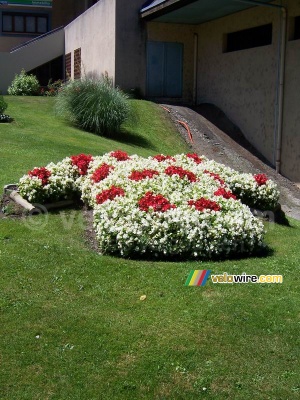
point(195, 83)
point(281, 69)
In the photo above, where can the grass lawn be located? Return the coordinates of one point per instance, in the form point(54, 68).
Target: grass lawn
point(72, 324)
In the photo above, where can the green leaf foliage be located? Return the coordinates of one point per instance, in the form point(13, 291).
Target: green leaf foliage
point(24, 85)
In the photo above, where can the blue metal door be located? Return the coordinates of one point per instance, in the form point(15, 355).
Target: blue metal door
point(164, 69)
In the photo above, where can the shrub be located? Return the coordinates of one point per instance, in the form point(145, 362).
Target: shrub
point(52, 88)
point(3, 104)
point(3, 107)
point(93, 105)
point(24, 85)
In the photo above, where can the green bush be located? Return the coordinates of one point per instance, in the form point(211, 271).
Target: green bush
point(3, 104)
point(93, 105)
point(24, 85)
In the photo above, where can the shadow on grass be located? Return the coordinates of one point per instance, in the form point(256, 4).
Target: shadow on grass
point(127, 137)
point(265, 252)
point(124, 135)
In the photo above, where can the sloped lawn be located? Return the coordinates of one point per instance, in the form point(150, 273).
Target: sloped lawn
point(73, 325)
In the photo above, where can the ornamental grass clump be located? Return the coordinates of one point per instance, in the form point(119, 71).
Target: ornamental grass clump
point(93, 105)
point(181, 206)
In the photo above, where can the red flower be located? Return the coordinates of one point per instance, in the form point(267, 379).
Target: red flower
point(172, 170)
point(161, 157)
point(261, 179)
point(204, 204)
point(101, 173)
point(225, 193)
point(82, 161)
point(195, 157)
point(139, 175)
point(215, 176)
point(157, 202)
point(120, 155)
point(42, 173)
point(109, 194)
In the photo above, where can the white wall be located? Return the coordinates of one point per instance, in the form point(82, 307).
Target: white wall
point(94, 33)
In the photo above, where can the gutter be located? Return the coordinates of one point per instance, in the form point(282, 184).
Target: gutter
point(281, 70)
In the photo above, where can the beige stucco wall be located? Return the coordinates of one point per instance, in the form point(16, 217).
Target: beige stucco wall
point(130, 45)
point(181, 34)
point(244, 83)
point(94, 33)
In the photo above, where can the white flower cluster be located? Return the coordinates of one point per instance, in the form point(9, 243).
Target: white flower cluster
point(202, 218)
point(123, 228)
point(61, 184)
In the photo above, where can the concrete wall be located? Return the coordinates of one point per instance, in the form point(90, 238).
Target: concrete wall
point(130, 46)
point(94, 33)
point(181, 34)
point(244, 83)
point(29, 57)
point(291, 115)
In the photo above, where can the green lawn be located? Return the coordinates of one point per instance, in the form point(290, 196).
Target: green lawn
point(72, 323)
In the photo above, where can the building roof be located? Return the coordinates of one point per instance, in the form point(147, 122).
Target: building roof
point(194, 11)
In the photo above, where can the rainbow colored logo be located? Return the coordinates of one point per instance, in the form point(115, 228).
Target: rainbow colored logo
point(197, 277)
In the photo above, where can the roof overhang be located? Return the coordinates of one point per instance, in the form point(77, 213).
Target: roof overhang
point(194, 11)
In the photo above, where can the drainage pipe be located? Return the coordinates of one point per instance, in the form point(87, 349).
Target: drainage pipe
point(14, 195)
point(281, 69)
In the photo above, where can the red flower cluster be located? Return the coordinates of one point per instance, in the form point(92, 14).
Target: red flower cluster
point(109, 194)
point(120, 155)
point(82, 161)
point(101, 173)
point(215, 176)
point(161, 157)
point(157, 202)
point(139, 175)
point(195, 157)
point(261, 179)
point(225, 193)
point(172, 170)
point(204, 204)
point(42, 173)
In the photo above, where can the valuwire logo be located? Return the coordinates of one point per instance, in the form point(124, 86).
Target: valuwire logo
point(197, 277)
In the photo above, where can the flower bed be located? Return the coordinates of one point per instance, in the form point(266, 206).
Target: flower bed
point(162, 206)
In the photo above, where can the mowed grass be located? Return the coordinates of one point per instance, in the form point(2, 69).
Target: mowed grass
point(38, 136)
point(73, 325)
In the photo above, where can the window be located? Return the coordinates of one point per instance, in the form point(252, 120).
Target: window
point(68, 66)
point(24, 23)
point(297, 28)
point(249, 38)
point(77, 63)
